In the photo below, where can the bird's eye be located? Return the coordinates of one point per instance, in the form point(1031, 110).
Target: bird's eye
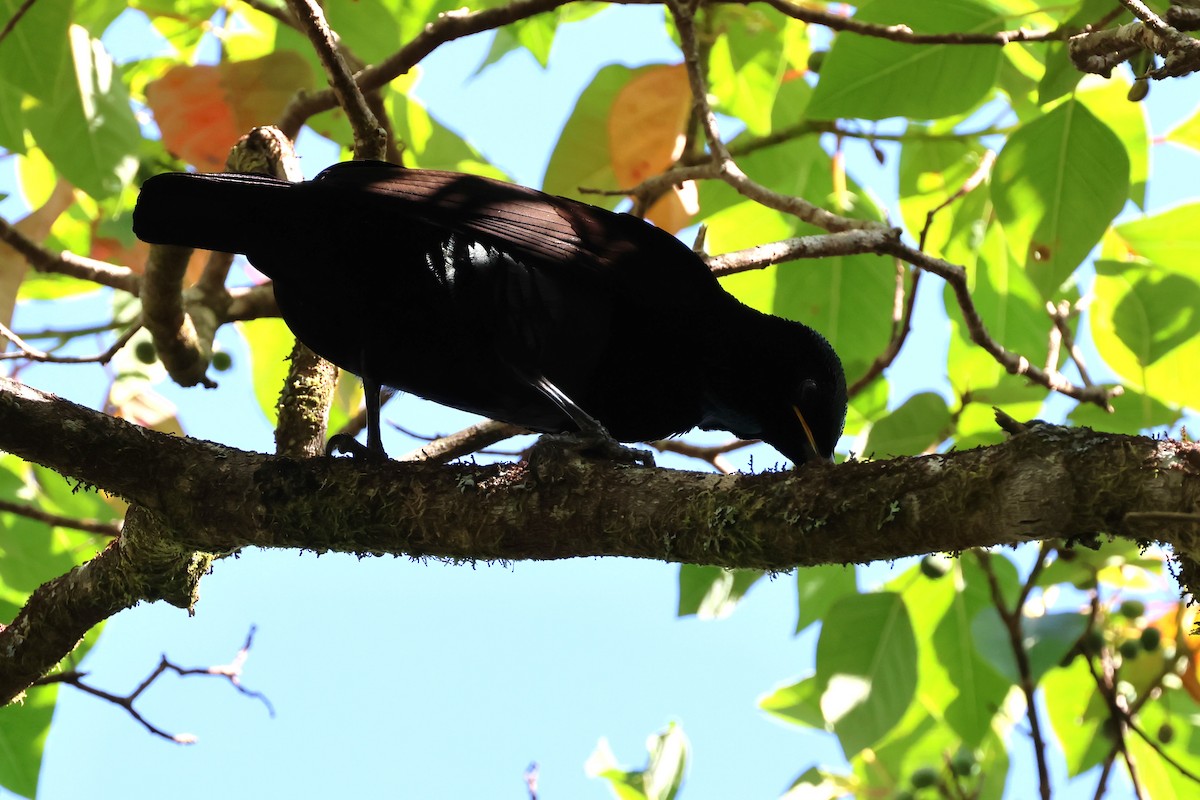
point(807, 389)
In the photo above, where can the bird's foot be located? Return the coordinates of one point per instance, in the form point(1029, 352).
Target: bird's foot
point(551, 448)
point(345, 443)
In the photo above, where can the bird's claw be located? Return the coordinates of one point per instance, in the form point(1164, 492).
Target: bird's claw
point(551, 447)
point(345, 443)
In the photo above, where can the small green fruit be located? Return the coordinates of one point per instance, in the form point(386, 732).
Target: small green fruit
point(221, 361)
point(934, 567)
point(1132, 609)
point(145, 351)
point(1166, 733)
point(1151, 639)
point(924, 778)
point(964, 764)
point(1129, 649)
point(1138, 91)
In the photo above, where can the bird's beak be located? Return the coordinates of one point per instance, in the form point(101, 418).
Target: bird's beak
point(814, 452)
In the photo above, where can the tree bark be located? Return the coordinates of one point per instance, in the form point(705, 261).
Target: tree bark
point(193, 500)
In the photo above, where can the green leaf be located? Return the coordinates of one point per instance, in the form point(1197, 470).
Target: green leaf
point(503, 43)
point(712, 592)
point(867, 667)
point(1145, 324)
point(798, 703)
point(871, 78)
point(270, 343)
point(1077, 713)
point(818, 588)
point(1108, 100)
point(32, 553)
point(536, 34)
point(662, 776)
point(429, 143)
point(747, 63)
point(1186, 133)
point(367, 27)
point(932, 172)
point(581, 158)
point(1061, 76)
point(1176, 709)
point(1056, 186)
point(374, 29)
point(922, 422)
point(1045, 639)
point(88, 129)
point(980, 691)
point(1133, 412)
point(34, 57)
point(1171, 239)
point(180, 23)
point(848, 298)
point(1110, 562)
point(12, 119)
point(23, 730)
point(867, 407)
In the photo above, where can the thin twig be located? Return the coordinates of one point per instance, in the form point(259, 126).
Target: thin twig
point(279, 13)
point(1106, 683)
point(231, 672)
point(902, 33)
point(369, 138)
point(60, 521)
point(12, 23)
point(1061, 314)
point(1014, 363)
point(825, 245)
point(469, 440)
point(976, 178)
point(66, 263)
point(31, 353)
point(448, 26)
point(902, 312)
point(713, 455)
point(1012, 623)
point(727, 168)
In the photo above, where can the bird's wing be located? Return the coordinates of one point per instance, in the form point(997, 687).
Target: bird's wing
point(535, 228)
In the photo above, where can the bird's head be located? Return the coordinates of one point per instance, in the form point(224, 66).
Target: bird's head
point(791, 394)
point(818, 415)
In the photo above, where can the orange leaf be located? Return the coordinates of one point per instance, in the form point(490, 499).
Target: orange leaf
point(134, 256)
point(674, 211)
point(202, 110)
point(647, 127)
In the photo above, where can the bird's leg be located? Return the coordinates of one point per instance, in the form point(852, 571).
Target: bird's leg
point(593, 439)
point(373, 449)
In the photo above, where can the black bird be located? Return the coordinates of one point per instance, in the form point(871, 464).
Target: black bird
point(510, 303)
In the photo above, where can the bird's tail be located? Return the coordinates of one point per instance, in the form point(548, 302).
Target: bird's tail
point(214, 211)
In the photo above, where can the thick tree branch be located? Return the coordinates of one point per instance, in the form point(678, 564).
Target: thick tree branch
point(184, 346)
point(192, 497)
point(1100, 51)
point(139, 565)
